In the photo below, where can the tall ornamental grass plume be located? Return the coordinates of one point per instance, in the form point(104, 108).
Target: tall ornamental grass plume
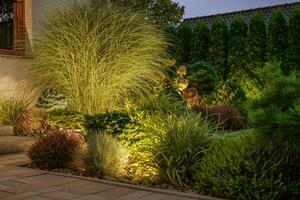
point(97, 57)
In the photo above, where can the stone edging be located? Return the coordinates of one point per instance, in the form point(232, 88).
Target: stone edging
point(138, 187)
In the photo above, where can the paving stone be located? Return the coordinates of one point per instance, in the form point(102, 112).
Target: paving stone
point(157, 196)
point(85, 187)
point(4, 194)
point(59, 195)
point(116, 192)
point(135, 195)
point(92, 197)
point(20, 196)
point(37, 198)
point(49, 178)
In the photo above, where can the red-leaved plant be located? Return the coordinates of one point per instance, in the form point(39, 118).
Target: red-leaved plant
point(54, 149)
point(227, 116)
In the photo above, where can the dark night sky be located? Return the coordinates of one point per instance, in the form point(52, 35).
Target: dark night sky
point(195, 8)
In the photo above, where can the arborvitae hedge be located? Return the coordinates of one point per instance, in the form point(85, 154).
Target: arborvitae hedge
point(173, 42)
point(278, 39)
point(185, 34)
point(294, 40)
point(200, 42)
point(257, 42)
point(219, 46)
point(238, 42)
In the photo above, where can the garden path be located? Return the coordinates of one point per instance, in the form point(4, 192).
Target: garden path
point(30, 184)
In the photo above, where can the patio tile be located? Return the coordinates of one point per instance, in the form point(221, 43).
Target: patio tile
point(59, 195)
point(135, 195)
point(4, 194)
point(116, 192)
point(20, 196)
point(92, 197)
point(85, 188)
point(37, 198)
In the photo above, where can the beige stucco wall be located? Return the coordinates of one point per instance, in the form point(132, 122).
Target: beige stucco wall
point(12, 67)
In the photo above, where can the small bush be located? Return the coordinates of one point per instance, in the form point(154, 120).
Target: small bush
point(175, 148)
point(53, 149)
point(162, 104)
point(202, 76)
point(105, 155)
point(226, 117)
point(229, 93)
point(113, 122)
point(51, 100)
point(66, 119)
point(239, 168)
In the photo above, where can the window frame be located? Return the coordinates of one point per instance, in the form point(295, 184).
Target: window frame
point(19, 27)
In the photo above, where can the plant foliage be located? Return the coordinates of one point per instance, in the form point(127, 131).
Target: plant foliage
point(200, 42)
point(219, 46)
point(105, 155)
point(109, 57)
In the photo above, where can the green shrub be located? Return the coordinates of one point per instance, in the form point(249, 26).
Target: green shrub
point(66, 119)
point(228, 92)
point(238, 42)
point(185, 34)
point(239, 168)
point(105, 155)
point(294, 42)
point(54, 149)
point(200, 42)
point(257, 42)
point(249, 82)
point(108, 58)
point(160, 105)
point(278, 38)
point(113, 122)
point(51, 100)
point(202, 76)
point(276, 116)
point(175, 147)
point(219, 46)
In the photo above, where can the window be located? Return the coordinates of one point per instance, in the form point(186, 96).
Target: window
point(11, 26)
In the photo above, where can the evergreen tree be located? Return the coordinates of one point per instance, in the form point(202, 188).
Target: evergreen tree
point(278, 39)
point(257, 42)
point(185, 38)
point(238, 42)
point(294, 40)
point(173, 43)
point(200, 43)
point(219, 46)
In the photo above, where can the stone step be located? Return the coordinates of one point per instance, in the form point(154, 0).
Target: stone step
point(6, 130)
point(14, 144)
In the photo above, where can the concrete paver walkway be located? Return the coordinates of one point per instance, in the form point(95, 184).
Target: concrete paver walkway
point(30, 184)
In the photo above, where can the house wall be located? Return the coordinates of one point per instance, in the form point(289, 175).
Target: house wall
point(12, 68)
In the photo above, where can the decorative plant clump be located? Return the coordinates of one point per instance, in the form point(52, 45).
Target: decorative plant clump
point(54, 149)
point(66, 119)
point(202, 76)
point(97, 57)
point(175, 148)
point(227, 117)
point(105, 155)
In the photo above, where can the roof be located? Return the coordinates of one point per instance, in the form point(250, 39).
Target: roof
point(266, 12)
